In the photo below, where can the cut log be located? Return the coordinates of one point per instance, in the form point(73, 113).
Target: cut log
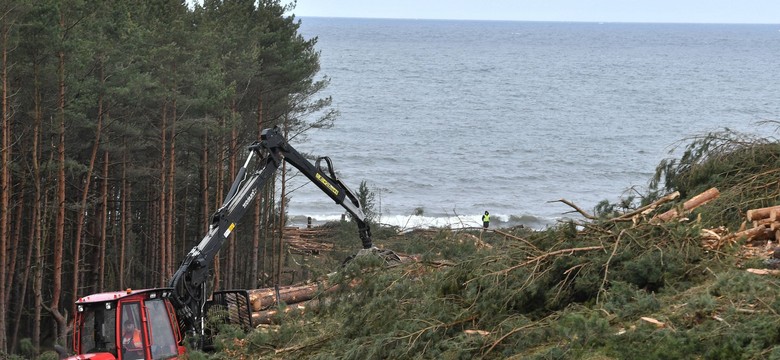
point(762, 222)
point(691, 204)
point(658, 324)
point(756, 233)
point(269, 317)
point(762, 213)
point(764, 271)
point(476, 332)
point(262, 299)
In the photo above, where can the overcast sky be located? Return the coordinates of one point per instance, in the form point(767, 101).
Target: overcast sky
point(676, 11)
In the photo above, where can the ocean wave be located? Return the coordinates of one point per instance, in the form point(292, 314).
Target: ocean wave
point(405, 222)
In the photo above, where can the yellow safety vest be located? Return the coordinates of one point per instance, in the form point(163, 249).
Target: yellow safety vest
point(486, 218)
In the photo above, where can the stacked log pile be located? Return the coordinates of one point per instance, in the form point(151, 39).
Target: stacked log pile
point(297, 298)
point(307, 241)
point(301, 297)
point(765, 228)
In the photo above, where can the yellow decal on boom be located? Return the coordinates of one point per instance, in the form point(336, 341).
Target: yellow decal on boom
point(326, 183)
point(229, 229)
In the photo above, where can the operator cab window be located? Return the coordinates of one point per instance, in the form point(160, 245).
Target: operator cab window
point(132, 333)
point(98, 329)
point(160, 330)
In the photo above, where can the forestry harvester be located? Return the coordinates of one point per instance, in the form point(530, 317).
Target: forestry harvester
point(153, 323)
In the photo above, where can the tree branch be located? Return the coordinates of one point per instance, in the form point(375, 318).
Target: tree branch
point(577, 208)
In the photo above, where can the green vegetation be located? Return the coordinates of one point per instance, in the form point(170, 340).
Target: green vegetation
point(578, 290)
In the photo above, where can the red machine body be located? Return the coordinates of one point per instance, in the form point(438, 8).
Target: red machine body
point(131, 324)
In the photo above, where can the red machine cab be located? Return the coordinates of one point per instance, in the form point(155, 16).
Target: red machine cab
point(132, 324)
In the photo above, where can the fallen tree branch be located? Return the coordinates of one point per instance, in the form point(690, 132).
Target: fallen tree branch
point(576, 208)
point(546, 255)
point(303, 346)
point(606, 265)
point(649, 208)
point(517, 238)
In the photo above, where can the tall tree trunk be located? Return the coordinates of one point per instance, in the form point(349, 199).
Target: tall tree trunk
point(14, 246)
point(231, 250)
point(27, 264)
point(104, 224)
point(124, 218)
point(171, 194)
point(254, 266)
point(82, 209)
point(37, 218)
point(254, 275)
point(204, 183)
point(282, 220)
point(5, 182)
point(40, 238)
point(163, 192)
point(219, 195)
point(59, 226)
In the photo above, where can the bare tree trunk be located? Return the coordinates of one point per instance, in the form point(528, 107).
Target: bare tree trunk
point(59, 226)
point(38, 216)
point(204, 183)
point(254, 274)
point(5, 183)
point(282, 220)
point(16, 235)
point(219, 195)
point(171, 195)
point(27, 264)
point(273, 264)
point(149, 251)
point(123, 220)
point(163, 192)
point(104, 224)
point(38, 274)
point(82, 209)
point(231, 250)
point(35, 210)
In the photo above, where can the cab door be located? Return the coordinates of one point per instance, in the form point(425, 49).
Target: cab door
point(131, 335)
point(162, 340)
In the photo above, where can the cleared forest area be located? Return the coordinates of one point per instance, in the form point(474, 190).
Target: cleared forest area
point(622, 282)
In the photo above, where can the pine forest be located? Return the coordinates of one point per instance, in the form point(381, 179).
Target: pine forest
point(122, 122)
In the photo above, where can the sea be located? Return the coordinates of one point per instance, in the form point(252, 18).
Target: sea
point(447, 119)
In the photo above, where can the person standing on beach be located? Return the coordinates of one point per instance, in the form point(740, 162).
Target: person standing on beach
point(486, 220)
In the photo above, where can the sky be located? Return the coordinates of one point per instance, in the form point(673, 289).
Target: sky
point(662, 11)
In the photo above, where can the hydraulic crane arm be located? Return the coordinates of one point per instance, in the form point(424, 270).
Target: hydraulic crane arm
point(189, 283)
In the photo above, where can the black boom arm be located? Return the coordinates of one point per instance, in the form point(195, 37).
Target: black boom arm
point(190, 291)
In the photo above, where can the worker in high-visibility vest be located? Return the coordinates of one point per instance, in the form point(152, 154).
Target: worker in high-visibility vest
point(131, 336)
point(486, 220)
